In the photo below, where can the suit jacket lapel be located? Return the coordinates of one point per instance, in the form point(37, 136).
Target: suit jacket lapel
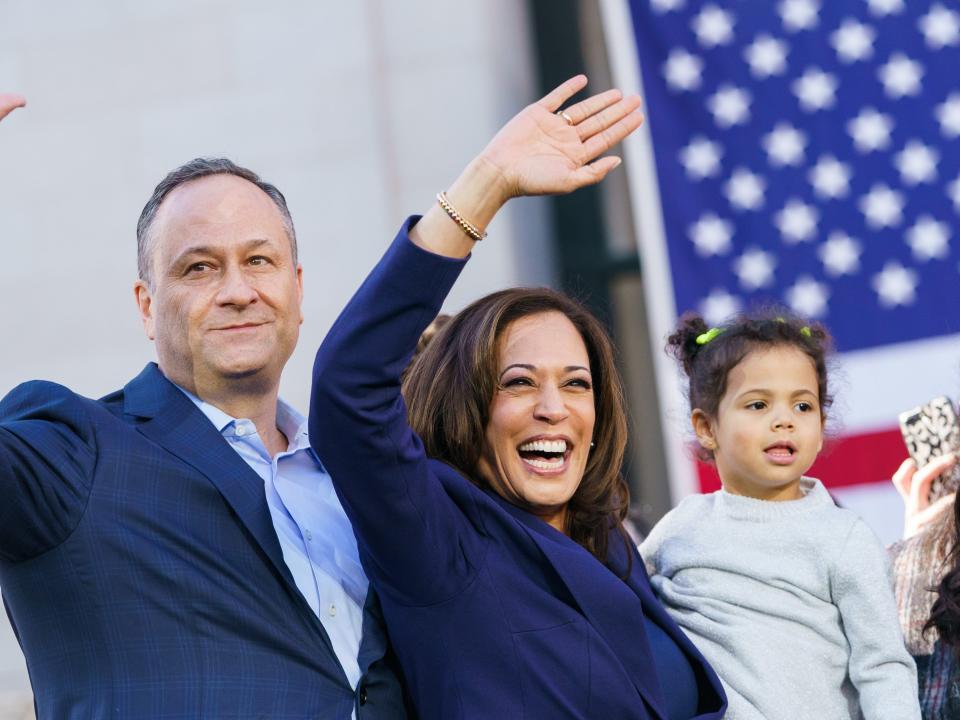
point(612, 613)
point(177, 425)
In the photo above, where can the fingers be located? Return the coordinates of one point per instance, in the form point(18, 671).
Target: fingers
point(903, 478)
point(927, 516)
point(606, 139)
point(592, 105)
point(559, 95)
point(920, 487)
point(594, 172)
point(10, 102)
point(607, 116)
point(933, 512)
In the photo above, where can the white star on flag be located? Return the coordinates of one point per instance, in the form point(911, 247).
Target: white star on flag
point(882, 207)
point(755, 268)
point(664, 6)
point(784, 145)
point(713, 26)
point(953, 191)
point(917, 163)
point(718, 307)
point(885, 7)
point(814, 89)
point(900, 76)
point(799, 14)
point(929, 239)
point(701, 158)
point(853, 41)
point(830, 177)
point(895, 285)
point(797, 221)
point(682, 70)
point(745, 189)
point(832, 191)
point(766, 56)
point(840, 254)
point(730, 106)
point(870, 130)
point(948, 115)
point(711, 235)
point(940, 27)
point(807, 297)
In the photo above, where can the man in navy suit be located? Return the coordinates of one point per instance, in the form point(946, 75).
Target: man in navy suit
point(175, 549)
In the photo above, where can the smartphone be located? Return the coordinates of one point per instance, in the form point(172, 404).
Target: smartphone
point(930, 431)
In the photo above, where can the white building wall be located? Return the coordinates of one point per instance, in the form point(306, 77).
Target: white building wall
point(359, 110)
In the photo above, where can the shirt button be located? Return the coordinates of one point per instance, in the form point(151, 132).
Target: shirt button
point(332, 610)
point(309, 536)
point(241, 430)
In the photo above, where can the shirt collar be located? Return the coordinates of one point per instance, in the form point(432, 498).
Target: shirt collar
point(290, 422)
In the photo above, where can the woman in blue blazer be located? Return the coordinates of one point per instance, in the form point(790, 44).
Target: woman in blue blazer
point(492, 527)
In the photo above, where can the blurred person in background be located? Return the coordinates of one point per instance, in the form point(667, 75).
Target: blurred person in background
point(926, 569)
point(175, 549)
point(487, 496)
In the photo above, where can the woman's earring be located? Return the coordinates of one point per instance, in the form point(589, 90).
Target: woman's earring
point(592, 444)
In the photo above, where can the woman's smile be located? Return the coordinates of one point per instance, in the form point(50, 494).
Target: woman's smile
point(541, 417)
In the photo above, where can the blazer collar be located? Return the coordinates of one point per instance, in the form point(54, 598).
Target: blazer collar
point(176, 424)
point(612, 614)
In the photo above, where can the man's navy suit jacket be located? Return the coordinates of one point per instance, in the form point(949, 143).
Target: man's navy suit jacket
point(492, 612)
point(142, 573)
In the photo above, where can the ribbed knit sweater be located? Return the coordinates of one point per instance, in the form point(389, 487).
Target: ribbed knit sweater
point(791, 603)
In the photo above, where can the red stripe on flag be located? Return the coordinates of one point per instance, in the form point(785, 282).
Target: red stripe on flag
point(847, 460)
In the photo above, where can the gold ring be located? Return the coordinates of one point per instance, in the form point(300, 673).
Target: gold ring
point(566, 117)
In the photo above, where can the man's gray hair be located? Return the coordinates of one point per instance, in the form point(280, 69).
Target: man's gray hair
point(194, 170)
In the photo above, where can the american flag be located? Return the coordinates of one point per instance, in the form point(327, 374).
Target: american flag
point(805, 153)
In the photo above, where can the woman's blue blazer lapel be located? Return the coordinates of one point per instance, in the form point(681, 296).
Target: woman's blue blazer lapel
point(612, 614)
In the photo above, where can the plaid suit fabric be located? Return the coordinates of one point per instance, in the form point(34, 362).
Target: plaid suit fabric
point(142, 574)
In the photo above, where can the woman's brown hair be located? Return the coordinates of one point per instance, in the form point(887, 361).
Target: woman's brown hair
point(450, 386)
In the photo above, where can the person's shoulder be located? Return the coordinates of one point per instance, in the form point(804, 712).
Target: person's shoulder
point(696, 503)
point(692, 508)
point(854, 541)
point(50, 400)
point(34, 393)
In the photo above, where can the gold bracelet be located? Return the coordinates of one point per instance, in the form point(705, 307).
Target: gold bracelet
point(469, 228)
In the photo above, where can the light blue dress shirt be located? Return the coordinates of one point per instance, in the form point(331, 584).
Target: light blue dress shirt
point(315, 535)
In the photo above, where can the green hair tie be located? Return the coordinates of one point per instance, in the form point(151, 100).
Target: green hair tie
point(805, 330)
point(708, 335)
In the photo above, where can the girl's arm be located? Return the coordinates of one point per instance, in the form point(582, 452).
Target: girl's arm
point(880, 667)
point(650, 547)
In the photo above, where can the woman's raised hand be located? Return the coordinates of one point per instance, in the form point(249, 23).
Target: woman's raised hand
point(10, 102)
point(914, 488)
point(540, 151)
point(543, 150)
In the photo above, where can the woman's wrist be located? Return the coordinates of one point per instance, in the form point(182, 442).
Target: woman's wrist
point(475, 196)
point(479, 192)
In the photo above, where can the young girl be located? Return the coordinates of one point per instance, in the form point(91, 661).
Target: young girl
point(786, 594)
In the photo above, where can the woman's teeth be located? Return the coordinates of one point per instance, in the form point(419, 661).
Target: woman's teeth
point(543, 464)
point(544, 454)
point(548, 446)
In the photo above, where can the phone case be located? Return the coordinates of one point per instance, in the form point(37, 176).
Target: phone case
point(930, 431)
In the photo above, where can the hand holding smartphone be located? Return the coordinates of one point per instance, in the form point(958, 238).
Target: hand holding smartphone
point(931, 431)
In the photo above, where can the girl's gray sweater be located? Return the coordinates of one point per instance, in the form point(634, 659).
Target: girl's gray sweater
point(791, 602)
